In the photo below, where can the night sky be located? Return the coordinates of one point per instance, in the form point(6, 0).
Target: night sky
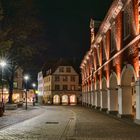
point(66, 30)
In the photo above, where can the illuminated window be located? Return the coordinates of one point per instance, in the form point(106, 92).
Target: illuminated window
point(15, 85)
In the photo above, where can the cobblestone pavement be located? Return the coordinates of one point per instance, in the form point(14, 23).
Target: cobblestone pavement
point(14, 116)
point(71, 123)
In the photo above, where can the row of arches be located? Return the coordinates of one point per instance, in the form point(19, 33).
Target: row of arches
point(65, 99)
point(114, 96)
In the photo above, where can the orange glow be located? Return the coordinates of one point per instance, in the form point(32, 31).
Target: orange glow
point(108, 44)
point(107, 75)
point(136, 16)
point(118, 31)
point(118, 68)
point(136, 67)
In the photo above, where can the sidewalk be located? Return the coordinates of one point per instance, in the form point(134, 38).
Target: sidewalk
point(12, 117)
point(124, 120)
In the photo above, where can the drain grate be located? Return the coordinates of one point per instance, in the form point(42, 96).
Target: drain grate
point(52, 122)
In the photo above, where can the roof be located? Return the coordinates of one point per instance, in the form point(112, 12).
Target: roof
point(54, 64)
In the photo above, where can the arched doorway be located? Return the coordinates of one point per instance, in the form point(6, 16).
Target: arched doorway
point(128, 92)
point(65, 100)
point(104, 95)
point(73, 100)
point(113, 94)
point(56, 99)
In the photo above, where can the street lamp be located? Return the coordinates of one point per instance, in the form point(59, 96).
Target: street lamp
point(34, 86)
point(2, 65)
point(26, 78)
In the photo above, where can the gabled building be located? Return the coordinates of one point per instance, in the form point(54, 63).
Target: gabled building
point(111, 68)
point(61, 86)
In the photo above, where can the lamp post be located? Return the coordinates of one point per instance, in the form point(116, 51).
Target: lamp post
point(26, 78)
point(2, 65)
point(34, 86)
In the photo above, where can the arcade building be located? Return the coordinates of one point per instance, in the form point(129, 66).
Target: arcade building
point(111, 68)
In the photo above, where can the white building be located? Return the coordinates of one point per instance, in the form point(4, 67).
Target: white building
point(40, 87)
point(61, 86)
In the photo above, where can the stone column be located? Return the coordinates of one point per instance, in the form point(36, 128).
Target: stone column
point(137, 120)
point(86, 98)
point(112, 101)
point(83, 98)
point(103, 100)
point(97, 99)
point(94, 98)
point(89, 99)
point(120, 100)
point(125, 101)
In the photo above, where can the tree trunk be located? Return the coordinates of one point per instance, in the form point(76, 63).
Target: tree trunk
point(11, 87)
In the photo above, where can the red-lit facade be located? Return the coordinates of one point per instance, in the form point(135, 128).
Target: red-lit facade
point(111, 68)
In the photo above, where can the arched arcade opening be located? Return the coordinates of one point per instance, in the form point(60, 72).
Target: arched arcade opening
point(65, 100)
point(128, 92)
point(56, 99)
point(113, 94)
point(73, 100)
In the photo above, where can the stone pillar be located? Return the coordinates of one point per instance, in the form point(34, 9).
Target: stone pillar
point(103, 100)
point(125, 101)
point(97, 99)
point(89, 99)
point(83, 98)
point(86, 98)
point(137, 120)
point(112, 101)
point(92, 99)
point(120, 100)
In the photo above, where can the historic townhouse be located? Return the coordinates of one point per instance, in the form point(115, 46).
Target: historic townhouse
point(61, 85)
point(111, 67)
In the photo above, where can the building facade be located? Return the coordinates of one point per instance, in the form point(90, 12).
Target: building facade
point(40, 87)
point(61, 86)
point(17, 87)
point(111, 68)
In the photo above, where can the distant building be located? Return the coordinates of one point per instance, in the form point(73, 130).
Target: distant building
point(61, 86)
point(17, 89)
point(40, 87)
